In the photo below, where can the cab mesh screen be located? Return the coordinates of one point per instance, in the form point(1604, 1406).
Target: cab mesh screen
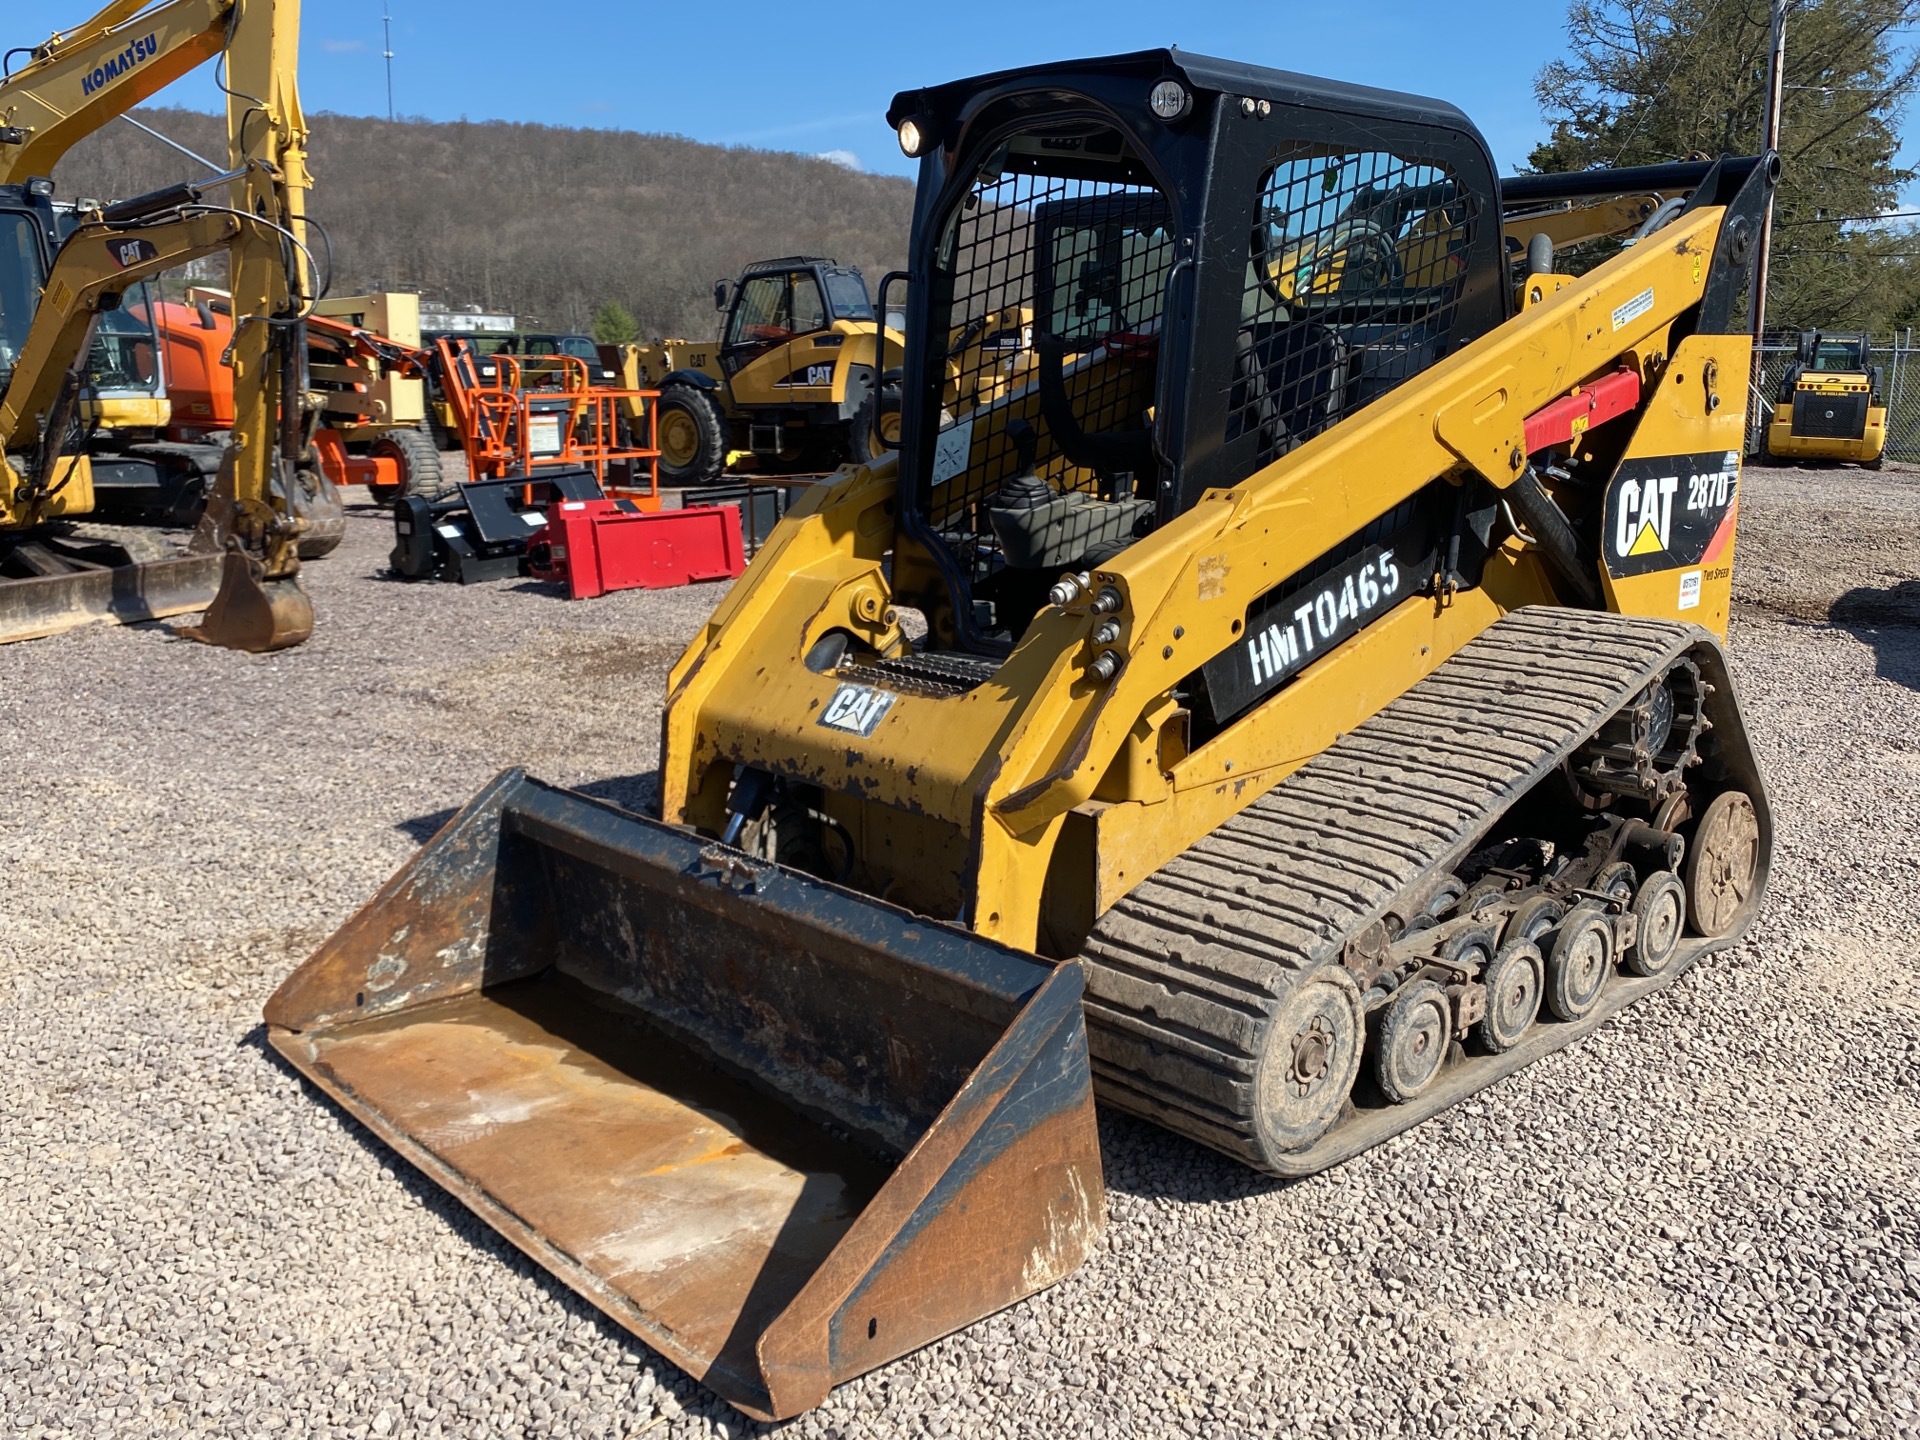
point(1043, 269)
point(1353, 284)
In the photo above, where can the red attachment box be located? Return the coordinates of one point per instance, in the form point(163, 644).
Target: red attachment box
point(601, 545)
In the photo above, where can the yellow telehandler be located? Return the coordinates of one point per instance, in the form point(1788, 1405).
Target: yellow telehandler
point(1294, 706)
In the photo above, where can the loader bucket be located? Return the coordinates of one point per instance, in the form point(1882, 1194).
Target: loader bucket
point(125, 594)
point(781, 1132)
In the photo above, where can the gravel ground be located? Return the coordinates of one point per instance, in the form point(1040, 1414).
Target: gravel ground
point(1704, 1221)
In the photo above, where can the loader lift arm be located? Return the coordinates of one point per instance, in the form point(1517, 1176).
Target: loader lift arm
point(79, 81)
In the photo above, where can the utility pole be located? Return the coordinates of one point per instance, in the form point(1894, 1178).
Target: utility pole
point(386, 25)
point(1776, 74)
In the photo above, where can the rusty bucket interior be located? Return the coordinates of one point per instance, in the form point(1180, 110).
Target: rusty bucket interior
point(780, 1131)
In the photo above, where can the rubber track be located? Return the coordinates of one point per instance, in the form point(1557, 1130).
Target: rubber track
point(1185, 974)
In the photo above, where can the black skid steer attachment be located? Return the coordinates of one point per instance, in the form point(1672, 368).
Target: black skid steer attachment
point(781, 1132)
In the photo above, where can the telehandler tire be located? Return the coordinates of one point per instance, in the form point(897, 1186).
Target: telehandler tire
point(692, 435)
point(420, 470)
point(866, 441)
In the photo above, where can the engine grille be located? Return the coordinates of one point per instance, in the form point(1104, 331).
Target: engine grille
point(947, 673)
point(1830, 417)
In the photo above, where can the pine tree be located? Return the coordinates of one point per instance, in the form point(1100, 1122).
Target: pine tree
point(613, 324)
point(1647, 81)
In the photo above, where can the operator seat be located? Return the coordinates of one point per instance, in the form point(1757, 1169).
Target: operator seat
point(1289, 384)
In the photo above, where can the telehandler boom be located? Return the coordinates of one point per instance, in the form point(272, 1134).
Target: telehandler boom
point(1317, 667)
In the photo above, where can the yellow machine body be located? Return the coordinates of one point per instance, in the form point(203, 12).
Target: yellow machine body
point(366, 400)
point(1831, 407)
point(1039, 798)
point(1320, 681)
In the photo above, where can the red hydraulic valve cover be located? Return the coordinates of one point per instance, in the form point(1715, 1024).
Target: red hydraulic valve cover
point(601, 545)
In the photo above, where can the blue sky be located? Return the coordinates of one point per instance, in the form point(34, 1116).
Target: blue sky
point(817, 79)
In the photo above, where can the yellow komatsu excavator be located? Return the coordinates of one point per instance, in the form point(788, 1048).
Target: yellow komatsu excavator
point(61, 272)
point(1296, 704)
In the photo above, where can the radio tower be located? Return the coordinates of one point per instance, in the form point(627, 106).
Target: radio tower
point(386, 25)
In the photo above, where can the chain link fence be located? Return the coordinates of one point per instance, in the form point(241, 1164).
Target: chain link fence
point(1899, 362)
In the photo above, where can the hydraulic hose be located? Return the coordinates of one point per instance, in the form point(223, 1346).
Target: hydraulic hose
point(1559, 542)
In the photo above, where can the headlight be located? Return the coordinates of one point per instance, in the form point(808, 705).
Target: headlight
point(912, 138)
point(1170, 100)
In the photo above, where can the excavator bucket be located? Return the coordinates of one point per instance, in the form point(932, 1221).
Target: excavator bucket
point(253, 613)
point(780, 1131)
point(124, 594)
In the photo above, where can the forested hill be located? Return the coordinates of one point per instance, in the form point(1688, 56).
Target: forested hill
point(545, 222)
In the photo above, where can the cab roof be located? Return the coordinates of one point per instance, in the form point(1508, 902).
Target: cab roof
point(1201, 74)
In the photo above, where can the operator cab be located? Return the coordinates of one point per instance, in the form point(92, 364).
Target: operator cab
point(28, 239)
point(537, 346)
point(124, 362)
point(1219, 263)
point(780, 300)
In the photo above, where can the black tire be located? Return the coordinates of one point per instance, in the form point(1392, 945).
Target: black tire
point(1578, 962)
point(864, 442)
point(1660, 918)
point(444, 438)
point(1515, 981)
point(692, 435)
point(1410, 1043)
point(316, 499)
point(420, 469)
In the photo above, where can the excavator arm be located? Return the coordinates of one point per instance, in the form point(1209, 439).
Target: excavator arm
point(99, 263)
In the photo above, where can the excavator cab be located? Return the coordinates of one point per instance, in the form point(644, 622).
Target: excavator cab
point(1221, 263)
point(23, 269)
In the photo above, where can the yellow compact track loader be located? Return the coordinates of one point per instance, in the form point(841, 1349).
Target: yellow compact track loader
point(794, 380)
point(1295, 705)
point(1832, 404)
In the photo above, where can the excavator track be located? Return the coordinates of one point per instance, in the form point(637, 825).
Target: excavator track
point(1189, 977)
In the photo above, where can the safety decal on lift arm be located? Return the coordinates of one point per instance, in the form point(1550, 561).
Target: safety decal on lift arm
point(1666, 511)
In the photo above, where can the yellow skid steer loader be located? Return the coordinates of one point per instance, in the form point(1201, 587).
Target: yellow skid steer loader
point(1315, 711)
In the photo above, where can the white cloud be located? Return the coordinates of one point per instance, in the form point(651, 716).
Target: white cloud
point(841, 157)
